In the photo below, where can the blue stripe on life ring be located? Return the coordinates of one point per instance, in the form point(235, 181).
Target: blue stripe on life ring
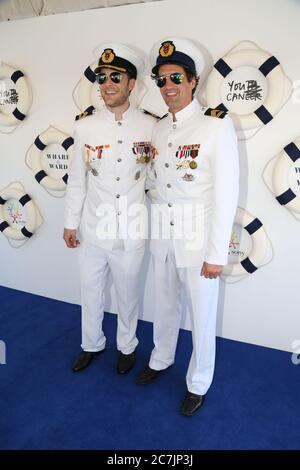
point(2, 201)
point(3, 226)
point(67, 143)
point(16, 75)
point(222, 67)
point(248, 266)
point(65, 178)
point(263, 114)
point(268, 65)
point(293, 151)
point(90, 75)
point(40, 175)
point(18, 115)
point(39, 144)
point(286, 197)
point(24, 199)
point(253, 226)
point(26, 232)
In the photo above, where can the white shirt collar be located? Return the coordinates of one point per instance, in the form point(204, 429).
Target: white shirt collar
point(186, 112)
point(111, 116)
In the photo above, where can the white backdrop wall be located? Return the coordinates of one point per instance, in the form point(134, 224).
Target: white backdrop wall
point(54, 51)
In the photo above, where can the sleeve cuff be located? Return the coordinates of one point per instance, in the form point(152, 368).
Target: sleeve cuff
point(72, 223)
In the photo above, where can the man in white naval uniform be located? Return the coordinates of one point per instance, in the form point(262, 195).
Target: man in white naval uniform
point(195, 173)
point(106, 180)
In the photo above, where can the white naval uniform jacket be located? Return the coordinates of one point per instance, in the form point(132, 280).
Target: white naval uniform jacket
point(109, 162)
point(210, 184)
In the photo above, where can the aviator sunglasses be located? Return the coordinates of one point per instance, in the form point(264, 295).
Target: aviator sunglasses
point(115, 77)
point(175, 77)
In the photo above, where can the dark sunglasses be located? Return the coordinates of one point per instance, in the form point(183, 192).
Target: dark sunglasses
point(176, 78)
point(115, 77)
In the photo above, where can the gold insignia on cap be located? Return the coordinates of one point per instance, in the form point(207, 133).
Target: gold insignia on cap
point(167, 49)
point(107, 56)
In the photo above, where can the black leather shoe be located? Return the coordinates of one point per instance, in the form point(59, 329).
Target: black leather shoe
point(148, 375)
point(191, 403)
point(126, 362)
point(84, 359)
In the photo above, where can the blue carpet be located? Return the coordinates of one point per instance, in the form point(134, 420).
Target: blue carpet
point(252, 404)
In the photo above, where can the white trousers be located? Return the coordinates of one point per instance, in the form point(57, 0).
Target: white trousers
point(95, 264)
point(202, 298)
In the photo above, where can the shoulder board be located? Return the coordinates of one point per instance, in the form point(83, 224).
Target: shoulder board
point(153, 115)
point(84, 114)
point(214, 112)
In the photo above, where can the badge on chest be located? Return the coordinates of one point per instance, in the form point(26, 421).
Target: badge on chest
point(186, 155)
point(93, 156)
point(142, 151)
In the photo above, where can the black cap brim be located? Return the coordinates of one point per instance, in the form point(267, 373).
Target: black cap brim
point(178, 58)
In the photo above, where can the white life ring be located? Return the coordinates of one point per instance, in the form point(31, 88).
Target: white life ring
point(35, 153)
point(280, 178)
point(23, 92)
point(268, 66)
point(27, 230)
point(84, 89)
point(260, 243)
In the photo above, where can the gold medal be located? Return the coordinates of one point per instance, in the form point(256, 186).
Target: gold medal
point(193, 165)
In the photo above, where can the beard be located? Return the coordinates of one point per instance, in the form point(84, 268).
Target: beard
point(114, 101)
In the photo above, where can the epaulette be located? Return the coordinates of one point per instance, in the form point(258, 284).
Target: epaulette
point(86, 113)
point(154, 115)
point(214, 112)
